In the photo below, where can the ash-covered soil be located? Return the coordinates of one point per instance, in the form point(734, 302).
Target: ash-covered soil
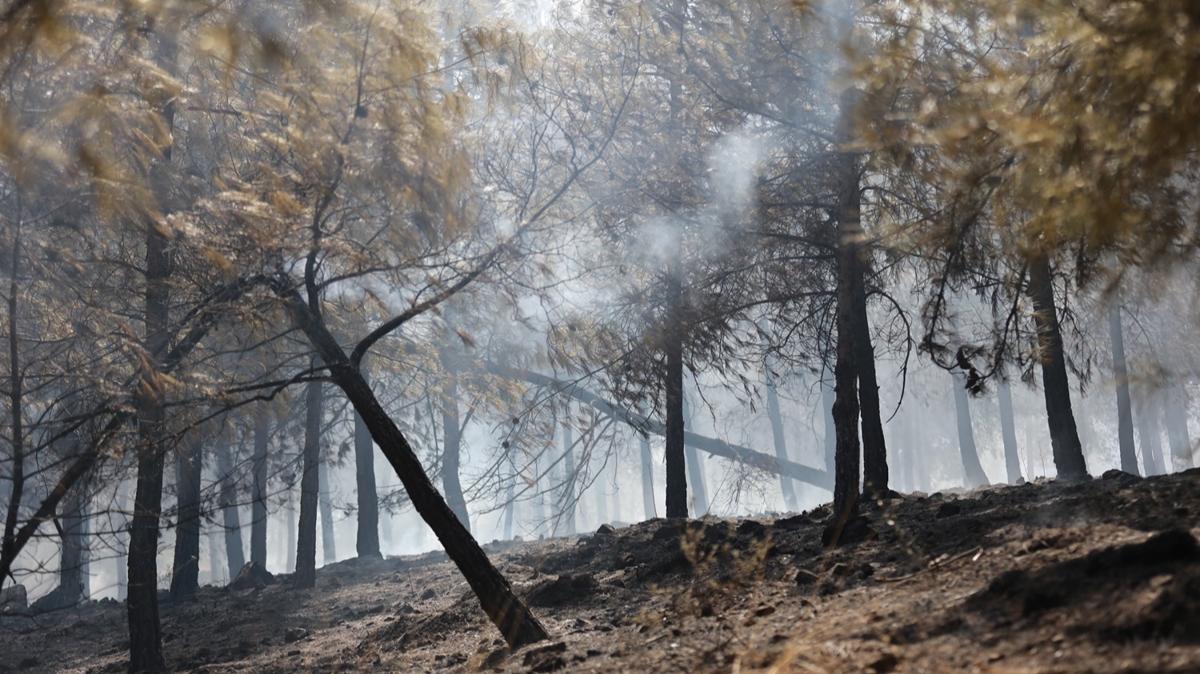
point(1102, 576)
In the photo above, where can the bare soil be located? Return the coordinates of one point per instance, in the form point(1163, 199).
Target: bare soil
point(1102, 576)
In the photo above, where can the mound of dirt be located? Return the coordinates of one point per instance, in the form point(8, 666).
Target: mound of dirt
point(1098, 576)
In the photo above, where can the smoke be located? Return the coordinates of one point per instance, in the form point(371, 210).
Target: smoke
point(733, 167)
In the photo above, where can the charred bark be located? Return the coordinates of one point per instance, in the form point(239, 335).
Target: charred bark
point(235, 554)
point(310, 487)
point(1151, 435)
point(514, 620)
point(1064, 436)
point(845, 371)
point(185, 568)
point(1008, 432)
point(649, 510)
point(367, 538)
point(874, 445)
point(677, 488)
point(452, 450)
point(973, 475)
point(328, 544)
point(258, 488)
point(1124, 406)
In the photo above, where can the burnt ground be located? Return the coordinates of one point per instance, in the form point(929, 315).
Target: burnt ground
point(1102, 576)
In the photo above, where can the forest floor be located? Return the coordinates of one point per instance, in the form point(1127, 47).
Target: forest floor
point(1102, 576)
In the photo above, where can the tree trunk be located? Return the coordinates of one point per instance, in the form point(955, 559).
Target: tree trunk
point(1121, 375)
point(145, 638)
point(16, 485)
point(516, 623)
point(310, 487)
point(845, 372)
point(874, 446)
point(677, 488)
point(328, 544)
point(1151, 434)
point(567, 508)
point(235, 555)
point(72, 573)
point(119, 552)
point(830, 438)
point(452, 448)
point(216, 576)
point(599, 497)
point(185, 570)
point(776, 417)
point(648, 508)
point(1008, 431)
point(367, 538)
point(258, 504)
point(973, 475)
point(1064, 437)
point(1175, 414)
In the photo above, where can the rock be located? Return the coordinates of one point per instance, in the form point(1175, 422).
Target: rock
point(428, 594)
point(252, 576)
point(1120, 477)
point(563, 590)
point(13, 599)
point(294, 634)
point(751, 529)
point(548, 658)
point(605, 530)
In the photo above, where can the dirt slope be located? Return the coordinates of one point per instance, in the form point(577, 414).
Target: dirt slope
point(1095, 577)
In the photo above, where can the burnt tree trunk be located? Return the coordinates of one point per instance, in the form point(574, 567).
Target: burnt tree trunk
point(514, 620)
point(1064, 436)
point(72, 577)
point(845, 371)
point(235, 554)
point(185, 569)
point(367, 539)
point(874, 445)
point(567, 507)
point(258, 488)
point(649, 510)
point(1008, 432)
point(145, 636)
point(328, 544)
point(310, 487)
point(452, 448)
point(973, 475)
point(677, 488)
point(1116, 336)
point(830, 437)
point(1150, 434)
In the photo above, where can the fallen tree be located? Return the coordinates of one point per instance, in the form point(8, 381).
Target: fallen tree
point(714, 446)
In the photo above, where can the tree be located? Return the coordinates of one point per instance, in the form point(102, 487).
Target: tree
point(973, 475)
point(1116, 337)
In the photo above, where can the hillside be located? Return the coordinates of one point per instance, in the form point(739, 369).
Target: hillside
point(1102, 576)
